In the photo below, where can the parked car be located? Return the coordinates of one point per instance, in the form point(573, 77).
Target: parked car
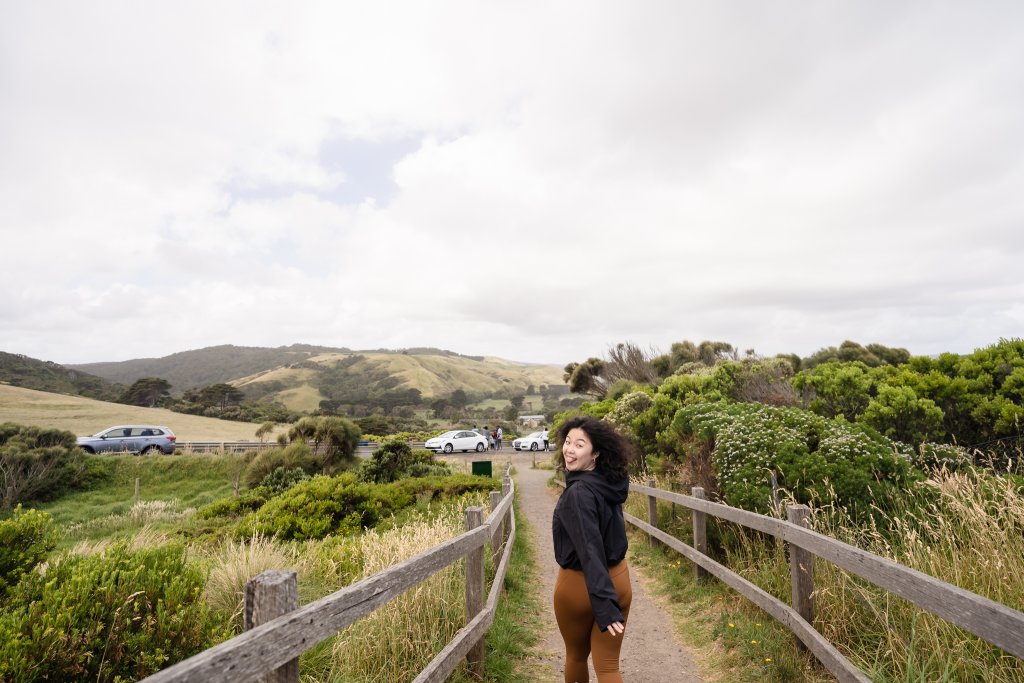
point(531, 442)
point(146, 439)
point(457, 440)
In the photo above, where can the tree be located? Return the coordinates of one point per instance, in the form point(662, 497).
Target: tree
point(629, 362)
point(148, 391)
point(517, 401)
point(833, 389)
point(585, 378)
point(220, 395)
point(332, 439)
point(264, 431)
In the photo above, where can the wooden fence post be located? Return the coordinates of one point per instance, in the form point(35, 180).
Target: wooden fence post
point(475, 590)
point(268, 596)
point(652, 514)
point(135, 498)
point(801, 567)
point(700, 534)
point(498, 535)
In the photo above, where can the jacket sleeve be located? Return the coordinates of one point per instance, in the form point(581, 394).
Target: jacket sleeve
point(581, 522)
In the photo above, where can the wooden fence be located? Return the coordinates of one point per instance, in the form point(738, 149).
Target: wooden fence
point(991, 621)
point(279, 630)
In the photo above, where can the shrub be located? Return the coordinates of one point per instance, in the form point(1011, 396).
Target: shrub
point(813, 458)
point(27, 537)
point(120, 615)
point(282, 479)
point(235, 506)
point(37, 463)
point(396, 460)
point(316, 508)
point(342, 505)
point(900, 414)
point(293, 455)
point(331, 439)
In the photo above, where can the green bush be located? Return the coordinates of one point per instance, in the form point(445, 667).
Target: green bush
point(26, 538)
point(38, 463)
point(297, 454)
point(395, 460)
point(118, 616)
point(342, 505)
point(332, 440)
point(283, 479)
point(236, 506)
point(813, 458)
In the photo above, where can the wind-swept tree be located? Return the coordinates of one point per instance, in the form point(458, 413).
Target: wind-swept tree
point(148, 391)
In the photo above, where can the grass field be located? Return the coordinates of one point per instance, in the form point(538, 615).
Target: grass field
point(84, 416)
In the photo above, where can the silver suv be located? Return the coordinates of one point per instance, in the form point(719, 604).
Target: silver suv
point(130, 439)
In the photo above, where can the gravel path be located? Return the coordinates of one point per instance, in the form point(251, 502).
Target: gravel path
point(650, 652)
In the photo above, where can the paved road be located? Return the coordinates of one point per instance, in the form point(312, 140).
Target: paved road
point(650, 653)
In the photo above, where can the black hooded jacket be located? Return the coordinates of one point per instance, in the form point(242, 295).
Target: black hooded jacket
point(590, 535)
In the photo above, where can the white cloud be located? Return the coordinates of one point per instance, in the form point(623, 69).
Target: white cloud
point(566, 175)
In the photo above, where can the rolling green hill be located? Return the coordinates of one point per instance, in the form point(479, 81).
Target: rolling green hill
point(31, 373)
point(202, 367)
point(300, 376)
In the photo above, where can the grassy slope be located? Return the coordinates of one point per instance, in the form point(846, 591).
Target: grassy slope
point(433, 375)
point(87, 416)
point(191, 481)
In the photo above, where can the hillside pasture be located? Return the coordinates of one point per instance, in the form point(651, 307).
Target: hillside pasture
point(84, 416)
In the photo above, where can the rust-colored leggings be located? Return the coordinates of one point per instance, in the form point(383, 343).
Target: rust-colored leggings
point(579, 630)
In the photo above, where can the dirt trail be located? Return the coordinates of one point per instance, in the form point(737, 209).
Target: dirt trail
point(650, 653)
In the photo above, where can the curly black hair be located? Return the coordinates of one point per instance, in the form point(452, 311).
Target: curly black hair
point(615, 451)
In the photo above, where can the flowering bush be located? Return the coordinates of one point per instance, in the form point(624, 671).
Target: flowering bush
point(813, 458)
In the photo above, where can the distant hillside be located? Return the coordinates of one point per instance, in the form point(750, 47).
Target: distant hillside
point(300, 376)
point(42, 375)
point(361, 377)
point(202, 367)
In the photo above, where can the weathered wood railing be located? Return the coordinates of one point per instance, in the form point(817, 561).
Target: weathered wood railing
point(989, 620)
point(269, 650)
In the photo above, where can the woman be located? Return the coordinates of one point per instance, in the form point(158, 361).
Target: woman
point(592, 591)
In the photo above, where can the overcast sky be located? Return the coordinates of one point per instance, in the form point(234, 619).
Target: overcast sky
point(530, 180)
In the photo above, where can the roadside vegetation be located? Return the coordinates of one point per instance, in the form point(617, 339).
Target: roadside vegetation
point(914, 459)
point(143, 562)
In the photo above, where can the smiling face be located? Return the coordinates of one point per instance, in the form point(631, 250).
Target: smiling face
point(579, 452)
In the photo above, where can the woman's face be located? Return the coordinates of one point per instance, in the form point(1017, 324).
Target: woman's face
point(578, 451)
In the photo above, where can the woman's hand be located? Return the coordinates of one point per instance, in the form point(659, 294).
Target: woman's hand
point(616, 628)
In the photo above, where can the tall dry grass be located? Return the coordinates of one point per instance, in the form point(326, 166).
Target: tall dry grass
point(398, 640)
point(233, 563)
point(964, 528)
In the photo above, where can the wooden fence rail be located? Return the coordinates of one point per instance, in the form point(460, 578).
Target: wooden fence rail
point(989, 620)
point(261, 652)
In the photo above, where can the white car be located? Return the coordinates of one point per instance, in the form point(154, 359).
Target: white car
point(457, 440)
point(532, 442)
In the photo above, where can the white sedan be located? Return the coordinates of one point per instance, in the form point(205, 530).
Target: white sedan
point(457, 440)
point(533, 442)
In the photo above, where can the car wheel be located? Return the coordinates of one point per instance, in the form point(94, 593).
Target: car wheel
point(447, 448)
point(88, 450)
point(533, 446)
point(151, 450)
point(479, 448)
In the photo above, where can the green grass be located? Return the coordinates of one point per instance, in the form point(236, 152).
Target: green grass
point(105, 510)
